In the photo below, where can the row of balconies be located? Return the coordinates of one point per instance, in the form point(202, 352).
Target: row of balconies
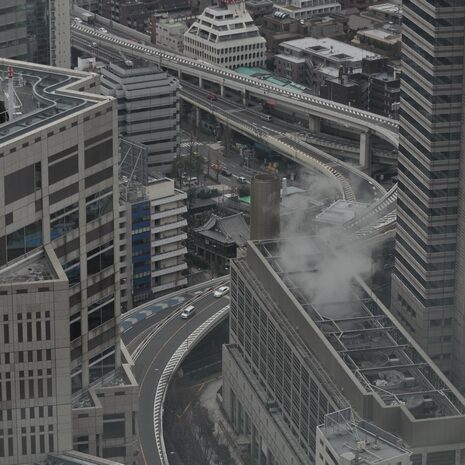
point(169, 226)
point(169, 240)
point(156, 257)
point(170, 269)
point(167, 213)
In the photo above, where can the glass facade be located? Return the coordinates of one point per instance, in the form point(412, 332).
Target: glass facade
point(101, 364)
point(64, 220)
point(24, 240)
point(38, 30)
point(428, 227)
point(98, 204)
point(141, 251)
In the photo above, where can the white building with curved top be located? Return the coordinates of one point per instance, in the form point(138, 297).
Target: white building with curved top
point(226, 35)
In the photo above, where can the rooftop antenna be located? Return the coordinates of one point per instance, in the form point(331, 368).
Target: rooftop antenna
point(11, 94)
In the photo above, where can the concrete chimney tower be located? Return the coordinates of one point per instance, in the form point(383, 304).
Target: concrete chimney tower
point(265, 205)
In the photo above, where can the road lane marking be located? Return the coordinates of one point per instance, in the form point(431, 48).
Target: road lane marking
point(150, 367)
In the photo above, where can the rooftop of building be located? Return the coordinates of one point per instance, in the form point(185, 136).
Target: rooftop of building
point(134, 68)
point(360, 440)
point(363, 335)
point(386, 8)
point(34, 266)
point(340, 212)
point(291, 7)
point(259, 2)
point(267, 76)
point(381, 34)
point(330, 48)
point(228, 229)
point(44, 94)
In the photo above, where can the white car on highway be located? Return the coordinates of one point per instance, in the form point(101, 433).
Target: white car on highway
point(188, 312)
point(103, 30)
point(221, 291)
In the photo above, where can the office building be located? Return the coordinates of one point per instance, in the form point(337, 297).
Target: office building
point(36, 31)
point(153, 225)
point(35, 404)
point(428, 281)
point(310, 61)
point(306, 341)
point(169, 34)
point(136, 14)
point(59, 177)
point(227, 36)
point(305, 9)
point(148, 109)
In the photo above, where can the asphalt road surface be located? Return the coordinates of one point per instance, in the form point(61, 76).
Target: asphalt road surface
point(153, 359)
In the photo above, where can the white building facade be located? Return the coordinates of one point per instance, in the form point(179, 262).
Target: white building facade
point(153, 223)
point(169, 34)
point(226, 35)
point(305, 9)
point(59, 177)
point(148, 109)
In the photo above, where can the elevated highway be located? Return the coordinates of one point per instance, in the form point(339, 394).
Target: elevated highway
point(158, 345)
point(315, 107)
point(352, 183)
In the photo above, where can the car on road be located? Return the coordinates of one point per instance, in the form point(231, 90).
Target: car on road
point(221, 291)
point(241, 180)
point(188, 312)
point(226, 172)
point(212, 97)
point(103, 30)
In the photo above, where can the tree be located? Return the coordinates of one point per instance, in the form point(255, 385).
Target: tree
point(223, 455)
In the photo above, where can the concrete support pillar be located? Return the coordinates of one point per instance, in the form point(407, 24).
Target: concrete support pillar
point(222, 90)
point(85, 374)
point(200, 82)
point(196, 119)
point(314, 123)
point(179, 74)
point(365, 152)
point(226, 140)
point(245, 98)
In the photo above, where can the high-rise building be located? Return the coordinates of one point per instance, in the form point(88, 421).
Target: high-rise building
point(59, 178)
point(308, 338)
point(35, 404)
point(153, 225)
point(428, 281)
point(225, 35)
point(148, 109)
point(36, 31)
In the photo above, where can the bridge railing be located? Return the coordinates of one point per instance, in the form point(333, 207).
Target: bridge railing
point(384, 126)
point(169, 370)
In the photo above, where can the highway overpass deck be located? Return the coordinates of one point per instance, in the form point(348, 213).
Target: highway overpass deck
point(384, 127)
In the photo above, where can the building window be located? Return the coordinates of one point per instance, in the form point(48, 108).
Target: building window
point(114, 426)
point(24, 240)
point(73, 271)
point(75, 326)
point(100, 312)
point(99, 204)
point(101, 364)
point(64, 220)
point(76, 380)
point(100, 258)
